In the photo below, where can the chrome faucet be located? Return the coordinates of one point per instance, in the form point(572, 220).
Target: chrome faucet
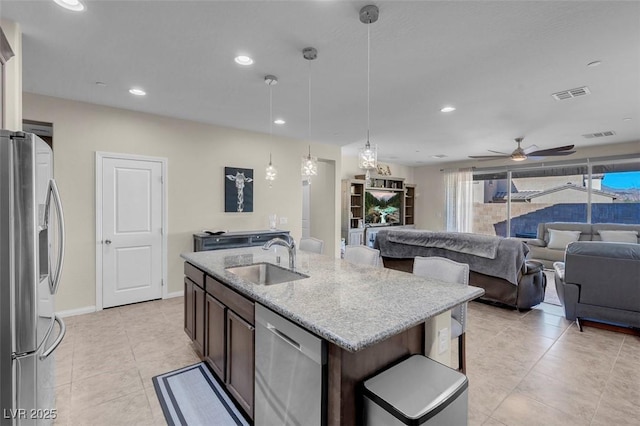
point(290, 245)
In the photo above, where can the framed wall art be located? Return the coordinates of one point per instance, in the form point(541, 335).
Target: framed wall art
point(238, 190)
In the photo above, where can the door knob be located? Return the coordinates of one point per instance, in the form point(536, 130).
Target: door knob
point(107, 242)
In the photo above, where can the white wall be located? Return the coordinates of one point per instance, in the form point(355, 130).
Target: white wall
point(322, 203)
point(197, 154)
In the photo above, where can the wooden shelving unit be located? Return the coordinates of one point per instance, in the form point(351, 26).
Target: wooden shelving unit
point(409, 203)
point(353, 211)
point(385, 182)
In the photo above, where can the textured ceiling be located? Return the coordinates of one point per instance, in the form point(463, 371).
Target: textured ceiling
point(497, 62)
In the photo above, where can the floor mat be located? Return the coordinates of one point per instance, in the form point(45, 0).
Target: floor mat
point(192, 396)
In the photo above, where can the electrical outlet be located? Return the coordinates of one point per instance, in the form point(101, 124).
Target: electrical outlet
point(283, 221)
point(443, 340)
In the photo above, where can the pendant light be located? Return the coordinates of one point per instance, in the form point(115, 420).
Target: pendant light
point(271, 172)
point(309, 166)
point(368, 156)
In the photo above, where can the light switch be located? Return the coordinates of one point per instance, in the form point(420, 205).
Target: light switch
point(283, 220)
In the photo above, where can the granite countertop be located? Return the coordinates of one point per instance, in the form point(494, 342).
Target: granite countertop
point(352, 306)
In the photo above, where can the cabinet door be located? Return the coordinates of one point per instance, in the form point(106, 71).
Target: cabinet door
point(198, 320)
point(214, 351)
point(188, 307)
point(240, 361)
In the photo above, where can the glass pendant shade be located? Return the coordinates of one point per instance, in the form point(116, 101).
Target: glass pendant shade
point(309, 166)
point(271, 173)
point(368, 157)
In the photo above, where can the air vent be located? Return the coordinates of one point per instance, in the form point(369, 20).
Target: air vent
point(599, 134)
point(572, 93)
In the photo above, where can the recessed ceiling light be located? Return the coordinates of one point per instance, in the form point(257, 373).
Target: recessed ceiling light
point(243, 60)
point(438, 156)
point(626, 119)
point(75, 5)
point(594, 64)
point(279, 121)
point(137, 92)
point(447, 109)
point(101, 83)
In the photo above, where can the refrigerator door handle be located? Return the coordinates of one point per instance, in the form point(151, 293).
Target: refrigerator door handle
point(54, 346)
point(54, 277)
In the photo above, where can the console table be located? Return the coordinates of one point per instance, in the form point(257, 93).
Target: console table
point(203, 241)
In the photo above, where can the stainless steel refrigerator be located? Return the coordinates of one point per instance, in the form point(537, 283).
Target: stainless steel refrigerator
point(31, 257)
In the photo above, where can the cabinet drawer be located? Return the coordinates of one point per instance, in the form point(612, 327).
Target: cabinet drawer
point(195, 274)
point(234, 301)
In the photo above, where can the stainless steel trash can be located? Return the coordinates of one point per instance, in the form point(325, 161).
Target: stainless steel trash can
point(416, 391)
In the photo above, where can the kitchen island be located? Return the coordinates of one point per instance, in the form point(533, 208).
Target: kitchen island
point(369, 317)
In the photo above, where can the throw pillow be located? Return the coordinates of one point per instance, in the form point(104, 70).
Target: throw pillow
point(559, 240)
point(619, 236)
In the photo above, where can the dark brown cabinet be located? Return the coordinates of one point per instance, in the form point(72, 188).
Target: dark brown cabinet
point(198, 321)
point(189, 313)
point(215, 353)
point(220, 322)
point(194, 307)
point(240, 356)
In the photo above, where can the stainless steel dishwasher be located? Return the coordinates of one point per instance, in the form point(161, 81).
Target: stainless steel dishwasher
point(290, 376)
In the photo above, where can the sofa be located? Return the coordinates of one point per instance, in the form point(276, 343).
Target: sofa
point(548, 250)
point(496, 264)
point(600, 281)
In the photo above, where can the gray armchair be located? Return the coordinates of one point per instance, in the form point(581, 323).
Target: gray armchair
point(600, 281)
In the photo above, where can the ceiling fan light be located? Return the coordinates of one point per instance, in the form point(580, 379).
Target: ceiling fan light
point(518, 156)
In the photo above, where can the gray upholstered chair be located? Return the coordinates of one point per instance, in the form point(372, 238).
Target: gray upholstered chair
point(600, 281)
point(447, 270)
point(362, 254)
point(312, 245)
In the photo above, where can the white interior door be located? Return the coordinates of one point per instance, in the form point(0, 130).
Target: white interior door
point(132, 246)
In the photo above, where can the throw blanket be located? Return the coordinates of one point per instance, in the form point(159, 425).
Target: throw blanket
point(476, 244)
point(507, 263)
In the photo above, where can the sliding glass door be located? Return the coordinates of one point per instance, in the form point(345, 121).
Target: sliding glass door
point(512, 203)
point(489, 203)
point(622, 180)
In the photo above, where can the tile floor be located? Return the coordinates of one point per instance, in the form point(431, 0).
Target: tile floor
point(524, 368)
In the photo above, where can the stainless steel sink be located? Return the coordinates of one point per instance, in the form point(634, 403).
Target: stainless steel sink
point(266, 273)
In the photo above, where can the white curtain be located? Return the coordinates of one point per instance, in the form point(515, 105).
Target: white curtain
point(459, 199)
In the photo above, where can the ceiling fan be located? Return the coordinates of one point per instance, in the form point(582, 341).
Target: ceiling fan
point(520, 154)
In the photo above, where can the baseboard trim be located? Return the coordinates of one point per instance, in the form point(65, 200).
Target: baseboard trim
point(78, 311)
point(175, 294)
